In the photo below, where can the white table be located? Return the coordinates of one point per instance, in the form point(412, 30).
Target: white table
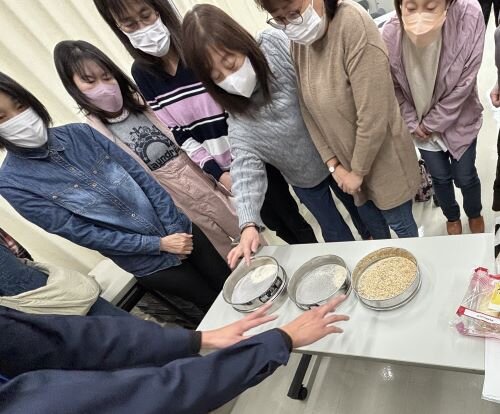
point(416, 334)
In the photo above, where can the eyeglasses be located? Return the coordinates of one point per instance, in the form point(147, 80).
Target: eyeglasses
point(134, 25)
point(294, 18)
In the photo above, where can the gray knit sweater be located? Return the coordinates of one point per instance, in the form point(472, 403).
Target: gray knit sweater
point(274, 134)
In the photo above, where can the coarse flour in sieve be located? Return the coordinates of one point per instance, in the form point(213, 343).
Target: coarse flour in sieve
point(254, 284)
point(320, 283)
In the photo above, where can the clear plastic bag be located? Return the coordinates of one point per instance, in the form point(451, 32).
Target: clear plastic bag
point(475, 318)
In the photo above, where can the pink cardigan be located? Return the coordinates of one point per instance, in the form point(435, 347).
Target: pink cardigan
point(456, 111)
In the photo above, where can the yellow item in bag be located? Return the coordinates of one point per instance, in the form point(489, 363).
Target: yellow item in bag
point(495, 298)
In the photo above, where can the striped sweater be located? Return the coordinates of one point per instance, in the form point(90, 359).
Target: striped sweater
point(197, 122)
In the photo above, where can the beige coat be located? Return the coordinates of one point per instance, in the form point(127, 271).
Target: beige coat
point(350, 108)
point(204, 201)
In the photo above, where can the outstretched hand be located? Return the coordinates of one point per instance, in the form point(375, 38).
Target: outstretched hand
point(235, 332)
point(315, 324)
point(309, 327)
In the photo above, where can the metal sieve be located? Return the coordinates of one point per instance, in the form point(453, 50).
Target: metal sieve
point(250, 287)
point(319, 280)
point(397, 300)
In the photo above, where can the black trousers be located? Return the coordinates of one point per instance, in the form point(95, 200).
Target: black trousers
point(486, 6)
point(280, 212)
point(199, 279)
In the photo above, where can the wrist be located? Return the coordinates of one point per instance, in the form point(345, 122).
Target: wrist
point(286, 331)
point(332, 164)
point(163, 244)
point(247, 226)
point(208, 340)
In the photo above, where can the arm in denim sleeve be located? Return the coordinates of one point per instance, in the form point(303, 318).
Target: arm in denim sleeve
point(57, 220)
point(187, 386)
point(34, 342)
point(172, 219)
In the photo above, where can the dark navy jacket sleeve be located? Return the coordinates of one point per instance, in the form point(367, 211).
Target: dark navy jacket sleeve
point(186, 386)
point(172, 219)
point(34, 342)
point(62, 222)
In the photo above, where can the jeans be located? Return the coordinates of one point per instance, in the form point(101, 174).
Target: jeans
point(445, 170)
point(399, 218)
point(320, 203)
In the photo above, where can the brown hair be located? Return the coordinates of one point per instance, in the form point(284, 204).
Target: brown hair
point(111, 9)
point(207, 27)
point(398, 5)
point(331, 6)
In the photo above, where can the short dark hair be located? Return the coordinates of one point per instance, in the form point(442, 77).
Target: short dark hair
point(19, 94)
point(331, 6)
point(109, 9)
point(69, 57)
point(206, 27)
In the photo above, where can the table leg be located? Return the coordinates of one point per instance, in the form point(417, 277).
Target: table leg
point(131, 298)
point(297, 390)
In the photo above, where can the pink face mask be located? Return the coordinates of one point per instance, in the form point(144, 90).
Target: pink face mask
point(424, 28)
point(106, 96)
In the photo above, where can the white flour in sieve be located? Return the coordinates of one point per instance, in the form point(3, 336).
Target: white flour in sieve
point(320, 283)
point(254, 284)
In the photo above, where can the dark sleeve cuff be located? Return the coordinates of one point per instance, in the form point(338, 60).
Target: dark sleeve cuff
point(196, 342)
point(287, 339)
point(211, 167)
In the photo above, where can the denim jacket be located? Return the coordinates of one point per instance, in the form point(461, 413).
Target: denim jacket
point(86, 189)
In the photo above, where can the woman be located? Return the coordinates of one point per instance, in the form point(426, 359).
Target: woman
point(113, 107)
point(74, 182)
point(255, 82)
point(436, 48)
point(151, 32)
point(350, 109)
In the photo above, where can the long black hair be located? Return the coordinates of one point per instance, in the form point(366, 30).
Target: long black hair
point(110, 10)
point(331, 6)
point(207, 27)
point(70, 57)
point(23, 97)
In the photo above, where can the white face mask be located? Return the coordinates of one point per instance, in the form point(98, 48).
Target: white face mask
point(311, 29)
point(242, 82)
point(26, 130)
point(153, 40)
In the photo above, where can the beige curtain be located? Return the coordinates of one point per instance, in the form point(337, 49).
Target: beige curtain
point(29, 30)
point(244, 11)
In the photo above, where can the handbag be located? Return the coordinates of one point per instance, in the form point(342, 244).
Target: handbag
point(426, 189)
